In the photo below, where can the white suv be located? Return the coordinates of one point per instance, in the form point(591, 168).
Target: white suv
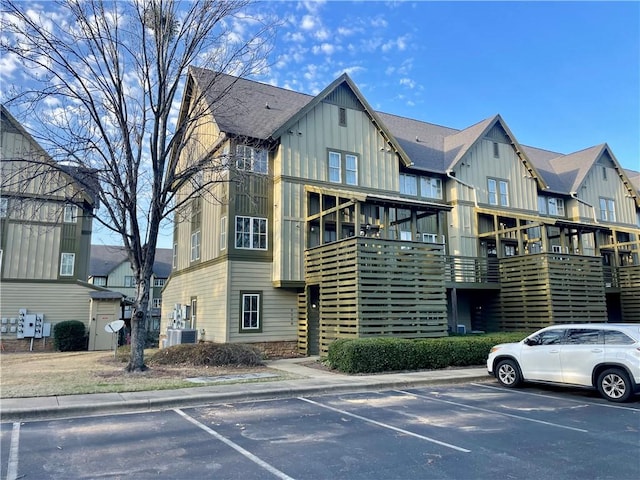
point(601, 355)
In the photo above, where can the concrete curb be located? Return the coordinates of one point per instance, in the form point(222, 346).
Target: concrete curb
point(158, 400)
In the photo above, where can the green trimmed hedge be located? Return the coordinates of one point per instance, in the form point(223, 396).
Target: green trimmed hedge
point(69, 336)
point(387, 354)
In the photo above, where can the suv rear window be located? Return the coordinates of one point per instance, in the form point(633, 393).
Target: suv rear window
point(615, 337)
point(583, 336)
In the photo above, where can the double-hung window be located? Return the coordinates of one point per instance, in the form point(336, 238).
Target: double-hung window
point(607, 209)
point(67, 262)
point(343, 162)
point(335, 171)
point(431, 187)
point(408, 184)
point(498, 192)
point(251, 233)
point(351, 169)
point(129, 281)
point(195, 246)
point(70, 214)
point(250, 312)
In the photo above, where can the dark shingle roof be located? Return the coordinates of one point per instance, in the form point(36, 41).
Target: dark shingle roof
point(240, 108)
point(106, 258)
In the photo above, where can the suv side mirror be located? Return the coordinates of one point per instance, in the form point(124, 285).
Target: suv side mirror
point(531, 341)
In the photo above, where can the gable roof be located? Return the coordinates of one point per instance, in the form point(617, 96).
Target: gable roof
point(84, 179)
point(249, 108)
point(106, 258)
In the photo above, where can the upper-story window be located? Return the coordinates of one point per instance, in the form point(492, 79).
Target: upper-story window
point(343, 162)
point(195, 246)
point(496, 150)
point(431, 187)
point(498, 192)
point(100, 281)
point(174, 262)
point(251, 233)
point(67, 262)
point(408, 184)
point(551, 206)
point(223, 233)
point(4, 207)
point(607, 209)
point(70, 214)
point(129, 281)
point(159, 282)
point(251, 159)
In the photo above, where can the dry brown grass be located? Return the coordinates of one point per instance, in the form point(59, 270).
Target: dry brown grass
point(56, 373)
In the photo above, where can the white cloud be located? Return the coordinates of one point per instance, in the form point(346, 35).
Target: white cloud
point(322, 34)
point(325, 48)
point(351, 71)
point(407, 82)
point(308, 23)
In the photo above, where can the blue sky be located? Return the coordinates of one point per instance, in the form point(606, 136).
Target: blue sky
point(564, 75)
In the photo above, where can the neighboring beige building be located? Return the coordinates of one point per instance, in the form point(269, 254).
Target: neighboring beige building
point(110, 268)
point(340, 221)
point(45, 238)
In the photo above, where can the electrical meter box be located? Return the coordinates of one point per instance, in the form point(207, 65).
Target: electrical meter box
point(27, 326)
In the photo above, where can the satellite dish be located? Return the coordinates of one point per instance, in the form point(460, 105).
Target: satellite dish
point(114, 326)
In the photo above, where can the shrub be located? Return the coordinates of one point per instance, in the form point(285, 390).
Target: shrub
point(69, 336)
point(385, 354)
point(208, 353)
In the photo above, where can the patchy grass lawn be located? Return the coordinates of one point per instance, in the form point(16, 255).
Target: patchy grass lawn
point(66, 373)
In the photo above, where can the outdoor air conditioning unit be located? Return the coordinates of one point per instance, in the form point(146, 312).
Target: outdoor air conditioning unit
point(176, 336)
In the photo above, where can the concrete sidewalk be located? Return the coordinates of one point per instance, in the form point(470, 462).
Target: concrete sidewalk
point(300, 380)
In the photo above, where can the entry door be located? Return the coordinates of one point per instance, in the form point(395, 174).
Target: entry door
point(102, 339)
point(313, 320)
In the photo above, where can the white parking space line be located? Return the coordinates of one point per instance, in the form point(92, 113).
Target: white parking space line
point(250, 456)
point(384, 425)
point(495, 412)
point(12, 468)
point(544, 395)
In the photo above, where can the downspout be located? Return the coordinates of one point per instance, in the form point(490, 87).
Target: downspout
point(574, 195)
point(475, 194)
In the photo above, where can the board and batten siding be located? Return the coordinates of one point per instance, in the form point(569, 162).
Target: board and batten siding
point(58, 301)
point(302, 157)
point(279, 306)
point(595, 186)
point(35, 251)
point(288, 231)
point(209, 286)
point(480, 164)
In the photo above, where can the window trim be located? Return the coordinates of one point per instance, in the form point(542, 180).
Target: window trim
point(131, 283)
point(195, 247)
point(252, 233)
point(253, 159)
point(338, 170)
point(408, 180)
point(65, 264)
point(427, 187)
point(258, 312)
point(223, 233)
point(501, 198)
point(70, 214)
point(607, 209)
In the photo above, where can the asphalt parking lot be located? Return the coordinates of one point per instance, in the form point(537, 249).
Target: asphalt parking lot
point(471, 431)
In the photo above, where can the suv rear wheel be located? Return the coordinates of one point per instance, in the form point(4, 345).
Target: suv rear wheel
point(508, 373)
point(614, 385)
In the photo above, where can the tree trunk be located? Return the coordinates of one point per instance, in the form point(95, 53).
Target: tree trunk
point(138, 340)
